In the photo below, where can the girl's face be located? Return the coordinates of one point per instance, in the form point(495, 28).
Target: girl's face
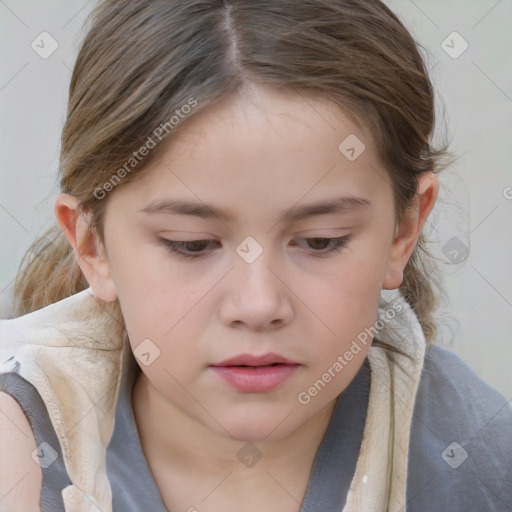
point(285, 265)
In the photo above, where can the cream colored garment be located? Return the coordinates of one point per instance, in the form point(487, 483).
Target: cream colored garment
point(64, 351)
point(71, 351)
point(379, 482)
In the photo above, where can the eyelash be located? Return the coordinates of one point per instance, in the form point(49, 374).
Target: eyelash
point(173, 246)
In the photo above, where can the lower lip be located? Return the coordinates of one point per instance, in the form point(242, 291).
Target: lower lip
point(257, 379)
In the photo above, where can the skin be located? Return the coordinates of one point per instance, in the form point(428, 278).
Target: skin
point(257, 154)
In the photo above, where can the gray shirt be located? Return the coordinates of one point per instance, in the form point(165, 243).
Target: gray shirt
point(460, 456)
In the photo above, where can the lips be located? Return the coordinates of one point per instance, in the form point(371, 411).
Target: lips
point(253, 360)
point(248, 373)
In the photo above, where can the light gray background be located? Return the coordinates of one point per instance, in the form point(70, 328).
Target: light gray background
point(475, 204)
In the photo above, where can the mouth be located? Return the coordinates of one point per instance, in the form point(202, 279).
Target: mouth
point(254, 366)
point(255, 374)
point(251, 360)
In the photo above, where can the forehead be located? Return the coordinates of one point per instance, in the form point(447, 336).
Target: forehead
point(263, 148)
point(275, 120)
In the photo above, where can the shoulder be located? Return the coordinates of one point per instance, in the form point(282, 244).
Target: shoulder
point(20, 476)
point(461, 439)
point(457, 398)
point(28, 440)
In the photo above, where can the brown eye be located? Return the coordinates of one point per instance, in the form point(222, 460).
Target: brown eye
point(195, 245)
point(187, 248)
point(324, 246)
point(318, 243)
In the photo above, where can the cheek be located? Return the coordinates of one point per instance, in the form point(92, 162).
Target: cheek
point(345, 303)
point(167, 308)
point(346, 298)
point(171, 318)
point(153, 293)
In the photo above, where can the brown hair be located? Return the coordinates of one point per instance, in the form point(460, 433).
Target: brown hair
point(141, 61)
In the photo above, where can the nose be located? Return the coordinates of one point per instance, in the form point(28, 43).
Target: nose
point(257, 296)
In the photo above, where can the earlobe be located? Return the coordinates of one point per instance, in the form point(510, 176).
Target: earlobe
point(86, 245)
point(407, 232)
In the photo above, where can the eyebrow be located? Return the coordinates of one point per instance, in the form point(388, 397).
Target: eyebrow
point(206, 211)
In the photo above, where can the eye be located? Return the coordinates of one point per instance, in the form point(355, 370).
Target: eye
point(195, 248)
point(327, 245)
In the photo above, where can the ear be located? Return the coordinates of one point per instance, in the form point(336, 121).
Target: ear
point(89, 251)
point(408, 231)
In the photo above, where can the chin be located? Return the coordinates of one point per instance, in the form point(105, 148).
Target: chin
point(252, 435)
point(256, 428)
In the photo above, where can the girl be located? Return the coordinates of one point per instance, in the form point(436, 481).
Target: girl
point(236, 309)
